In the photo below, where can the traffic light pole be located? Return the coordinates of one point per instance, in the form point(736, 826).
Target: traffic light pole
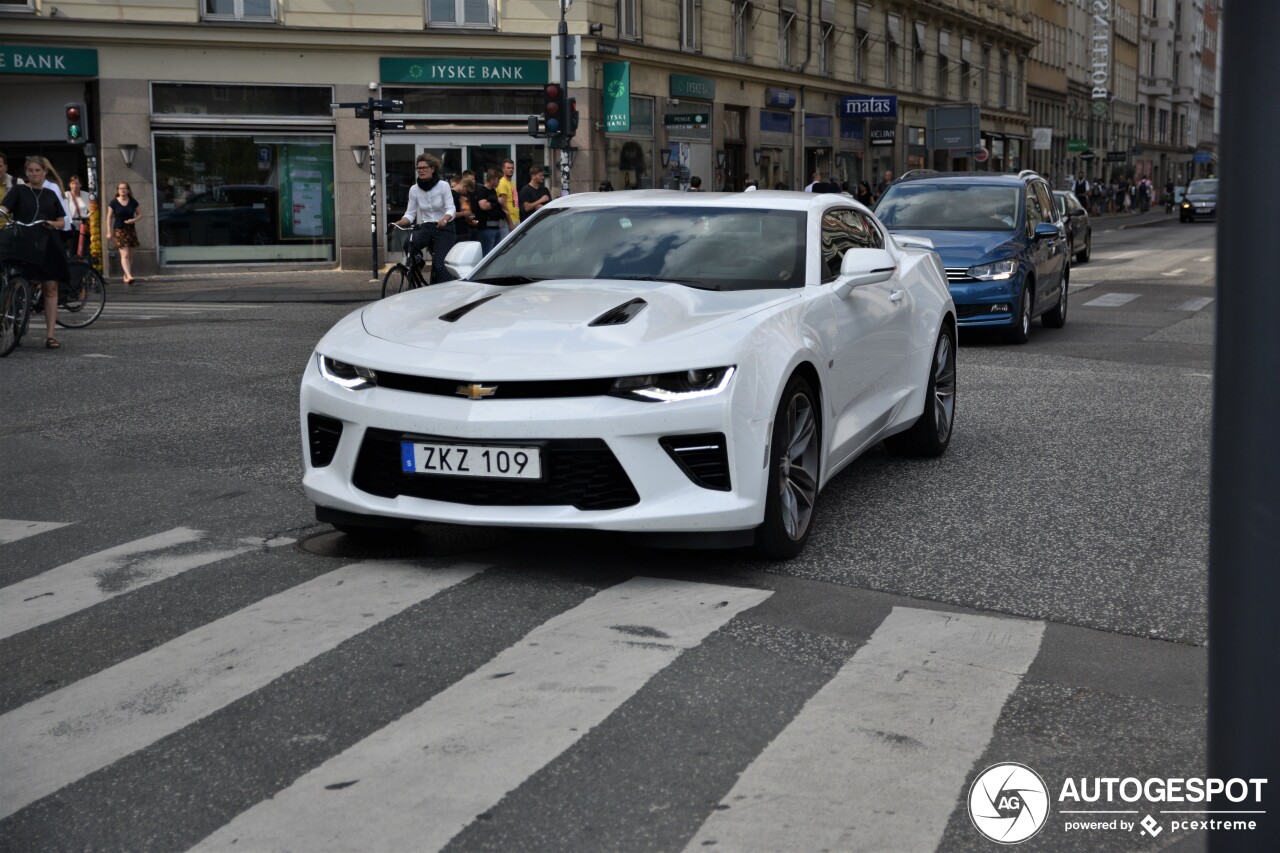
point(563, 32)
point(372, 106)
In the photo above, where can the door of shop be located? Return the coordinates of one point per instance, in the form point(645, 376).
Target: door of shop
point(457, 153)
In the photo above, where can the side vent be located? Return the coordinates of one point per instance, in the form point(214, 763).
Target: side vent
point(703, 458)
point(458, 313)
point(323, 435)
point(624, 313)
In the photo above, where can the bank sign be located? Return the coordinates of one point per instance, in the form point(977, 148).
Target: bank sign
point(869, 106)
point(62, 61)
point(464, 72)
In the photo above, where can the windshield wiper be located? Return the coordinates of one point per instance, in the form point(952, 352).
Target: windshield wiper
point(701, 285)
point(508, 279)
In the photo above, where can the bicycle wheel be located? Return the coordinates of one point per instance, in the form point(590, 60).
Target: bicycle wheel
point(85, 304)
point(14, 301)
point(397, 280)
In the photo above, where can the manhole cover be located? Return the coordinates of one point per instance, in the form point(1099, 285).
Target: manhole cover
point(424, 540)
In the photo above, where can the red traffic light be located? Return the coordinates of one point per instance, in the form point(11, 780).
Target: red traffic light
point(73, 113)
point(552, 93)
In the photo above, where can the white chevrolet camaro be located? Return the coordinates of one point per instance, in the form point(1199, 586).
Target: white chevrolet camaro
point(692, 365)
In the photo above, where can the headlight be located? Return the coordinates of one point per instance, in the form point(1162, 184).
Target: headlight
point(997, 271)
point(1186, 205)
point(348, 376)
point(667, 387)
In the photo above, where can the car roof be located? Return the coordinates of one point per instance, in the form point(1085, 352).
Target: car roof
point(978, 179)
point(758, 200)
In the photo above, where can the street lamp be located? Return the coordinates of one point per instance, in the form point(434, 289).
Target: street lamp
point(666, 157)
point(358, 152)
point(757, 153)
point(720, 158)
point(128, 151)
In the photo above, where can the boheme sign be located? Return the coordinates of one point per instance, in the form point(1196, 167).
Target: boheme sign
point(464, 72)
point(869, 106)
point(71, 61)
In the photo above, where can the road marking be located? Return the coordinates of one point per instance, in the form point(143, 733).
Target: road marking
point(1205, 259)
point(186, 306)
point(1128, 254)
point(1195, 304)
point(419, 781)
point(1111, 300)
point(75, 731)
point(97, 355)
point(98, 577)
point(11, 530)
point(875, 759)
point(1178, 271)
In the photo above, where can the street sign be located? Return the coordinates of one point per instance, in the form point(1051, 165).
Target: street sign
point(981, 155)
point(1117, 156)
point(954, 126)
point(1075, 146)
point(1087, 155)
point(1202, 157)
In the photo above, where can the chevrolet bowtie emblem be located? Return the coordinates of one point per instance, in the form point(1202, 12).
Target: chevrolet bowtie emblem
point(475, 392)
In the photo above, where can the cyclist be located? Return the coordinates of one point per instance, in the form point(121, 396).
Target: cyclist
point(431, 212)
point(32, 202)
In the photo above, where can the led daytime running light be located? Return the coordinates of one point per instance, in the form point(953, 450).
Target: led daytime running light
point(349, 376)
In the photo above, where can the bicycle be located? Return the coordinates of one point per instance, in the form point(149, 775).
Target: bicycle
point(15, 307)
point(81, 300)
point(408, 274)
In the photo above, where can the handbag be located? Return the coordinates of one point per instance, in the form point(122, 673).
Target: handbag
point(24, 243)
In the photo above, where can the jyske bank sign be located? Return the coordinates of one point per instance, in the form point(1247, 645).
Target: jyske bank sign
point(464, 72)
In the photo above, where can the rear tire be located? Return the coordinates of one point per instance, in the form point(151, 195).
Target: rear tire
point(931, 433)
point(1083, 255)
point(84, 305)
point(1056, 317)
point(397, 280)
point(795, 453)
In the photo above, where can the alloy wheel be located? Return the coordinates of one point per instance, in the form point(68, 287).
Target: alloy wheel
point(944, 388)
point(798, 466)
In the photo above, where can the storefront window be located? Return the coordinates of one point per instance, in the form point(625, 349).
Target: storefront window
point(630, 156)
point(475, 101)
point(244, 198)
point(188, 99)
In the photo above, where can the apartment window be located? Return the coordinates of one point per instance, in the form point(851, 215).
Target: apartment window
point(891, 39)
point(825, 44)
point(690, 24)
point(239, 10)
point(786, 34)
point(944, 64)
point(966, 68)
point(1164, 126)
point(984, 79)
point(460, 13)
point(17, 5)
point(862, 37)
point(742, 30)
point(1019, 81)
point(1004, 80)
point(628, 19)
point(917, 57)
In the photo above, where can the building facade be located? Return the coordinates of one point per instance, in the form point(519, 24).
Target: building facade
point(219, 113)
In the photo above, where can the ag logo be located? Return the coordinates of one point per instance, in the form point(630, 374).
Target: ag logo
point(1008, 803)
point(616, 88)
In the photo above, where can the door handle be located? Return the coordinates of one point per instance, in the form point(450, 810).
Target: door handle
point(897, 295)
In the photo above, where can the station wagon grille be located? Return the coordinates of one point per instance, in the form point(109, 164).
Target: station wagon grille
point(959, 274)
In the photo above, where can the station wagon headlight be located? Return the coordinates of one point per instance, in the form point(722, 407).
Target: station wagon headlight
point(997, 271)
point(349, 376)
point(678, 385)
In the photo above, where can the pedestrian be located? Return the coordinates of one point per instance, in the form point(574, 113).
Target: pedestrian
point(1144, 194)
point(488, 211)
point(6, 180)
point(751, 187)
point(431, 212)
point(507, 195)
point(31, 203)
point(466, 224)
point(884, 183)
point(864, 195)
point(606, 187)
point(535, 193)
point(814, 180)
point(122, 216)
point(1081, 188)
point(695, 184)
point(77, 204)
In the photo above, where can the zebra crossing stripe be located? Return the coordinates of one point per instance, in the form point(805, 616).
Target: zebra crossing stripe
point(72, 732)
point(1111, 300)
point(876, 758)
point(416, 783)
point(1195, 304)
point(98, 577)
point(11, 530)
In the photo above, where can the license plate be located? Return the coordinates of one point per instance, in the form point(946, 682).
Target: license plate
point(471, 460)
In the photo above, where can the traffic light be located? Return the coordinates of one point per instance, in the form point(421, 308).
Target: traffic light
point(77, 131)
point(573, 118)
point(553, 111)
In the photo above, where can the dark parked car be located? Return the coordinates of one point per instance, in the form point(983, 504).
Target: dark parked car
point(235, 215)
point(1200, 201)
point(1001, 240)
point(1079, 228)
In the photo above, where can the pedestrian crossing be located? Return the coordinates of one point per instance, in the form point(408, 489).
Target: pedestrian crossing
point(131, 311)
point(905, 718)
point(1117, 299)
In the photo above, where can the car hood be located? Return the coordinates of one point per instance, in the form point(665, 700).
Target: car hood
point(968, 248)
point(554, 318)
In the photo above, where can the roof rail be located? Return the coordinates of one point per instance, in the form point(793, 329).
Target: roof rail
point(912, 174)
point(1028, 172)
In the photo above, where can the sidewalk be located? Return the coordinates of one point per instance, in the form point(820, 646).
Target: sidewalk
point(218, 285)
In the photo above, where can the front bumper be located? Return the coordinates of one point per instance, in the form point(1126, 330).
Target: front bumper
point(977, 302)
point(667, 498)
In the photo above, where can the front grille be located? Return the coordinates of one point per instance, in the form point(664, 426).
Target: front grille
point(322, 435)
point(582, 473)
point(955, 274)
point(703, 458)
point(534, 390)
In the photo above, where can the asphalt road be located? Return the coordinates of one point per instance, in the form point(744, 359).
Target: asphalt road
point(1036, 595)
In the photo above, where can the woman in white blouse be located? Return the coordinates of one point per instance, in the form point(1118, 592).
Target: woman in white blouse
point(78, 206)
point(431, 211)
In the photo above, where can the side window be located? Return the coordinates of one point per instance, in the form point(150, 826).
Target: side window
point(1046, 202)
point(875, 240)
point(1034, 214)
point(835, 242)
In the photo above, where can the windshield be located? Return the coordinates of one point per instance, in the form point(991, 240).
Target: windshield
point(959, 207)
point(1206, 186)
point(705, 247)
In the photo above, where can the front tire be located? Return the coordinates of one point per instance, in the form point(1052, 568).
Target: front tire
point(85, 303)
point(1021, 328)
point(931, 433)
point(795, 451)
point(397, 280)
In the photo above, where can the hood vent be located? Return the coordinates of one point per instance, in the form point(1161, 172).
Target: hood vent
point(622, 314)
point(458, 313)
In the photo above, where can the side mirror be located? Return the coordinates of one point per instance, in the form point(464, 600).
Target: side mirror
point(1046, 230)
point(463, 258)
point(861, 267)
